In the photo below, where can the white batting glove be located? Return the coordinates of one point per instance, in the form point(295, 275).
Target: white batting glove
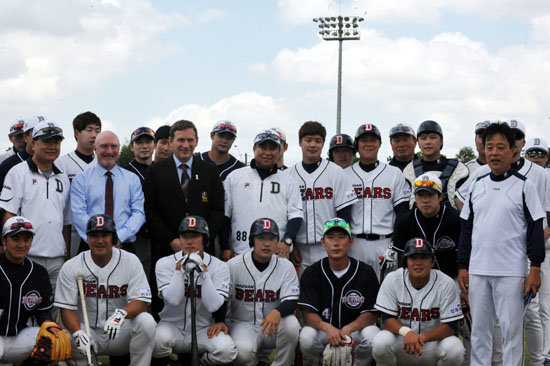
point(84, 343)
point(193, 262)
point(388, 261)
point(114, 323)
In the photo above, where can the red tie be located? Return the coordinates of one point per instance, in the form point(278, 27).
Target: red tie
point(184, 181)
point(109, 207)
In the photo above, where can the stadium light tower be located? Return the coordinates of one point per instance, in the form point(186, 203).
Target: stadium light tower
point(340, 28)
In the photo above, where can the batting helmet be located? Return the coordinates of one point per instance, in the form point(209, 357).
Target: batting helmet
point(339, 140)
point(429, 126)
point(263, 225)
point(418, 246)
point(102, 223)
point(364, 129)
point(196, 224)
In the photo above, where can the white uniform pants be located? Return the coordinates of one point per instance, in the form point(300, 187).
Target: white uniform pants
point(388, 351)
point(18, 348)
point(137, 337)
point(313, 342)
point(311, 253)
point(169, 339)
point(253, 346)
point(534, 333)
point(544, 303)
point(52, 265)
point(369, 251)
point(492, 297)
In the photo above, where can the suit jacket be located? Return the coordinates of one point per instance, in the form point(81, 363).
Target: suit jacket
point(165, 205)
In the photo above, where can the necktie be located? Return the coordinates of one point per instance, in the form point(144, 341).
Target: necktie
point(184, 181)
point(109, 206)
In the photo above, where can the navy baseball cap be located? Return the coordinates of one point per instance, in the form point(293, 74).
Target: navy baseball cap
point(225, 126)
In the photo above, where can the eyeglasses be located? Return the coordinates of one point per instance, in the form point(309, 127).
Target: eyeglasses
point(401, 129)
point(427, 184)
point(143, 131)
point(21, 225)
point(536, 154)
point(225, 126)
point(336, 223)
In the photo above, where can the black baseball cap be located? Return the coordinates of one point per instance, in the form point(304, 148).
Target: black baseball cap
point(163, 132)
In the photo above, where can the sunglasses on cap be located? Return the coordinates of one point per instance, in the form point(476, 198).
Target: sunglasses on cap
point(143, 131)
point(21, 225)
point(536, 154)
point(482, 126)
point(225, 126)
point(427, 184)
point(401, 129)
point(268, 136)
point(336, 223)
point(48, 131)
point(17, 126)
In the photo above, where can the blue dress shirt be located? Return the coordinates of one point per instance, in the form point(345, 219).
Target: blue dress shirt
point(188, 163)
point(88, 199)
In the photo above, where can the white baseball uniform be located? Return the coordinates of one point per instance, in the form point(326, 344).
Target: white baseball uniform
point(173, 333)
point(379, 192)
point(254, 295)
point(422, 310)
point(72, 165)
point(324, 192)
point(248, 197)
point(106, 289)
point(473, 165)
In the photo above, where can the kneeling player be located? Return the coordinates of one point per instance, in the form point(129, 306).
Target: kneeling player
point(420, 307)
point(264, 292)
point(26, 292)
point(211, 292)
point(116, 296)
point(337, 300)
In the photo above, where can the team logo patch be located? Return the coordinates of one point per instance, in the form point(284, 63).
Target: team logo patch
point(34, 181)
point(204, 197)
point(339, 139)
point(145, 292)
point(456, 309)
point(246, 185)
point(353, 299)
point(191, 222)
point(445, 243)
point(418, 243)
point(31, 299)
point(536, 142)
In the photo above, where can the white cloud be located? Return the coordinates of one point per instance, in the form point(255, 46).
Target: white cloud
point(259, 67)
point(211, 15)
point(541, 27)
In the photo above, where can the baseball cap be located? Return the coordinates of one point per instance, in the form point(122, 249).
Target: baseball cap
point(17, 224)
point(141, 132)
point(536, 143)
point(163, 132)
point(225, 126)
point(280, 133)
point(368, 128)
point(336, 223)
point(404, 128)
point(265, 135)
point(16, 127)
point(46, 129)
point(481, 127)
point(30, 122)
point(518, 127)
point(427, 182)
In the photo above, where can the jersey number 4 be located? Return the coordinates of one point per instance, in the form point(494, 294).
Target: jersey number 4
point(326, 313)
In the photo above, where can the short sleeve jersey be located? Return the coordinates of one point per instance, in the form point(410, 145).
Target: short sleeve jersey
point(338, 301)
point(255, 294)
point(423, 309)
point(106, 288)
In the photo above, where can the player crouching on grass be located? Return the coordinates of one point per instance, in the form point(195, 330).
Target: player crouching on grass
point(264, 292)
point(420, 308)
point(211, 293)
point(337, 302)
point(116, 296)
point(26, 292)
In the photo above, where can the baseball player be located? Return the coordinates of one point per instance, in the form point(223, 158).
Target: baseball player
point(16, 138)
point(503, 228)
point(382, 193)
point(326, 192)
point(26, 292)
point(283, 148)
point(481, 160)
point(403, 142)
point(451, 172)
point(341, 150)
point(116, 293)
point(252, 191)
point(337, 299)
point(420, 309)
point(173, 334)
point(163, 149)
point(536, 151)
point(264, 292)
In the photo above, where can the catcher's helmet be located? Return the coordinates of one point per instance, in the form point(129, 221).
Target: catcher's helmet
point(196, 224)
point(418, 246)
point(263, 225)
point(429, 126)
point(102, 223)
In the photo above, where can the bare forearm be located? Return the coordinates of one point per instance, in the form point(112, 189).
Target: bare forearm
point(70, 320)
point(438, 333)
point(362, 321)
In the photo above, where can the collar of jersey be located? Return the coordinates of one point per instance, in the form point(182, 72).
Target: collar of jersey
point(34, 168)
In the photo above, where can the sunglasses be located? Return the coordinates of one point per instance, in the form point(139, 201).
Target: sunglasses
point(267, 136)
point(17, 126)
point(226, 126)
point(21, 225)
point(49, 131)
point(482, 126)
point(336, 223)
point(427, 184)
point(536, 154)
point(143, 131)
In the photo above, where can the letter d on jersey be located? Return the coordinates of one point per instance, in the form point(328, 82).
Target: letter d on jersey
point(275, 187)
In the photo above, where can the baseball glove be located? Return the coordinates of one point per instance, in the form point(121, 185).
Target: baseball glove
point(49, 346)
point(338, 356)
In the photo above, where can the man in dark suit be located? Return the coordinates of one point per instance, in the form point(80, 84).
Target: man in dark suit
point(179, 186)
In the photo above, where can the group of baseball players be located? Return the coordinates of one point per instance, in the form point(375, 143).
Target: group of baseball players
point(422, 260)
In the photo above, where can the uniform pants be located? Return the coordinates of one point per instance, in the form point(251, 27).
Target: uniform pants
point(534, 333)
point(544, 302)
point(492, 297)
point(52, 265)
point(137, 337)
point(169, 339)
point(18, 348)
point(253, 346)
point(313, 342)
point(388, 351)
point(369, 251)
point(311, 253)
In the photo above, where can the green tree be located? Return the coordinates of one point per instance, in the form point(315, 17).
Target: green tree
point(126, 155)
point(465, 154)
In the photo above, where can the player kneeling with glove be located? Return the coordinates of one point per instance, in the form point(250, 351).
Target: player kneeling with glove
point(26, 292)
point(420, 307)
point(337, 303)
point(212, 281)
point(116, 295)
point(264, 291)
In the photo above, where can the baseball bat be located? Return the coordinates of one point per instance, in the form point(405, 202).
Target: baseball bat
point(194, 347)
point(92, 358)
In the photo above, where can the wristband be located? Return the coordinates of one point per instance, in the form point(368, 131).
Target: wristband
point(404, 330)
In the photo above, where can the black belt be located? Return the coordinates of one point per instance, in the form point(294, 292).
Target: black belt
point(373, 236)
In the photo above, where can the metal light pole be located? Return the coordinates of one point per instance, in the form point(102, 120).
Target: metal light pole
point(340, 28)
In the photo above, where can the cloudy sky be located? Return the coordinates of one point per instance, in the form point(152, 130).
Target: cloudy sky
point(262, 64)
